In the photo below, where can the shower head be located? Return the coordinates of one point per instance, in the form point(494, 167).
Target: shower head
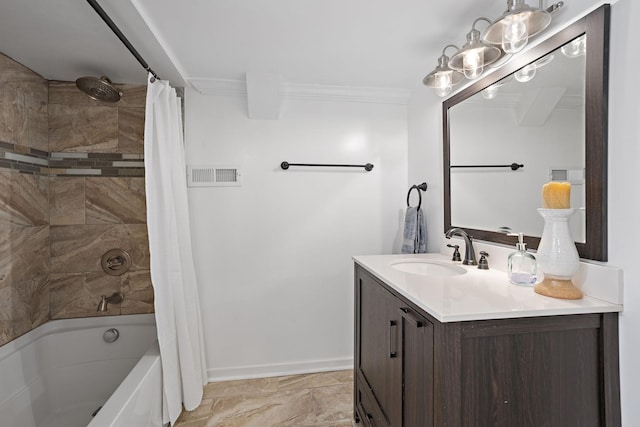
point(100, 89)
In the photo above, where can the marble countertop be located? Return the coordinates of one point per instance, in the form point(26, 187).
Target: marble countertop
point(475, 295)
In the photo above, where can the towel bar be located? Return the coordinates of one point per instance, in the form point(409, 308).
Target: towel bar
point(285, 165)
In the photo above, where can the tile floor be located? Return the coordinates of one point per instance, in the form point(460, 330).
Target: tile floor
point(312, 400)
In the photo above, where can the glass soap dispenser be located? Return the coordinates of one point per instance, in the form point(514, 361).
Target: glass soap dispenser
point(522, 267)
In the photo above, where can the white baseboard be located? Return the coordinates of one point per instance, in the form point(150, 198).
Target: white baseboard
point(278, 369)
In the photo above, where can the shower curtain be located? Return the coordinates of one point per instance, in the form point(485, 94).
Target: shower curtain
point(177, 308)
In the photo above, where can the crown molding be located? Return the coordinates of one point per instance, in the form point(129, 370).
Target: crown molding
point(307, 91)
point(228, 87)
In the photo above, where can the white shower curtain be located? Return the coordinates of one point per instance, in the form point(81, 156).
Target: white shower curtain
point(172, 273)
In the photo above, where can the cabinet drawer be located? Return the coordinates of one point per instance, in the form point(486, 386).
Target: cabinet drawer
point(370, 414)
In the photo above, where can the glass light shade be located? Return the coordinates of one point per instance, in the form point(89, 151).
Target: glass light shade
point(473, 63)
point(443, 84)
point(443, 79)
point(526, 73)
point(443, 91)
point(534, 19)
point(515, 35)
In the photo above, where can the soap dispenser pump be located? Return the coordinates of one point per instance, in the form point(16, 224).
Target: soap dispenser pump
point(522, 268)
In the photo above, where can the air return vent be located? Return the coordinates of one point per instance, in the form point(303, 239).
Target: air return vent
point(573, 175)
point(213, 176)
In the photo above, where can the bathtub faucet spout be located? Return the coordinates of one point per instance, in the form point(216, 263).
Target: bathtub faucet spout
point(116, 298)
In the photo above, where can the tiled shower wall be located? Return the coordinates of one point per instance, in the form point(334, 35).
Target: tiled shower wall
point(24, 210)
point(72, 187)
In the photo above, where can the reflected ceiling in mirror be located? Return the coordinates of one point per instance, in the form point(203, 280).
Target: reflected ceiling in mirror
point(534, 117)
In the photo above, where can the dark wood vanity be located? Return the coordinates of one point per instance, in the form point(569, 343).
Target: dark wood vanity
point(413, 371)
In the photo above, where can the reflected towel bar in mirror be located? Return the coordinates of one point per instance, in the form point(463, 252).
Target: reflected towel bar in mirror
point(513, 166)
point(285, 165)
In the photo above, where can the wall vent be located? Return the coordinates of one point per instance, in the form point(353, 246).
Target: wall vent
point(574, 176)
point(213, 176)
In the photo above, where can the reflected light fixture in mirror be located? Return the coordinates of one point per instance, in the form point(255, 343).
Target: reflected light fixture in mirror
point(443, 78)
point(475, 54)
point(526, 73)
point(490, 92)
point(519, 22)
point(577, 47)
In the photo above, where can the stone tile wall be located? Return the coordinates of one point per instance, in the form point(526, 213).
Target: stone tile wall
point(24, 209)
point(71, 188)
point(103, 208)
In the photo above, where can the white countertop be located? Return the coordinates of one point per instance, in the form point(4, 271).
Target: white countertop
point(475, 295)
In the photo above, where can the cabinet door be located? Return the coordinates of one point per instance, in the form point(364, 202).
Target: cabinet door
point(417, 369)
point(370, 413)
point(380, 351)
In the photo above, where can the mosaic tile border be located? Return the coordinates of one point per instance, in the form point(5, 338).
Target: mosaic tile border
point(32, 161)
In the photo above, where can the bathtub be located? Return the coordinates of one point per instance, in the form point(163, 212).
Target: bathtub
point(59, 374)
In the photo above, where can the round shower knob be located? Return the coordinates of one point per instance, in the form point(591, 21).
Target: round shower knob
point(116, 262)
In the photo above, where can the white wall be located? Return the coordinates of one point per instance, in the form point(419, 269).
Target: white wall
point(273, 257)
point(425, 160)
point(624, 188)
point(425, 137)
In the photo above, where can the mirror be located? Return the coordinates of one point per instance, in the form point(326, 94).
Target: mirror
point(542, 116)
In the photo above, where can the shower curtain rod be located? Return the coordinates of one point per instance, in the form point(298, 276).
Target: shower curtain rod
point(100, 11)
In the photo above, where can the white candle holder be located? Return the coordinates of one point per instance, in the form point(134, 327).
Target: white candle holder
point(557, 256)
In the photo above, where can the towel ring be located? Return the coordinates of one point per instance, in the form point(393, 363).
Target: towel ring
point(421, 187)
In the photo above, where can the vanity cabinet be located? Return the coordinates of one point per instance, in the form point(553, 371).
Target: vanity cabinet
point(413, 371)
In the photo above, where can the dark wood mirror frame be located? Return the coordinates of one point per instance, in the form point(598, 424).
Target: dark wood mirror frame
point(596, 26)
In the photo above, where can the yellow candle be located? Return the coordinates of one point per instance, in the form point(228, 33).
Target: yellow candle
point(556, 195)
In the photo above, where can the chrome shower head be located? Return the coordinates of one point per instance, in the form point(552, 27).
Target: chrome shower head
point(100, 89)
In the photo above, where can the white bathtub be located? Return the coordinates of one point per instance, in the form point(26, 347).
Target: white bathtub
point(58, 375)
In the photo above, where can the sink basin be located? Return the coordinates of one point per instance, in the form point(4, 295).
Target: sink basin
point(428, 268)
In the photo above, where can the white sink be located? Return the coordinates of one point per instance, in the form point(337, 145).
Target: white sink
point(427, 268)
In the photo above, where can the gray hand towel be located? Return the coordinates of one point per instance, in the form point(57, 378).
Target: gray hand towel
point(415, 232)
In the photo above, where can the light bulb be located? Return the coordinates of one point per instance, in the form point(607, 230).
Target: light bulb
point(443, 91)
point(490, 92)
point(525, 73)
point(473, 63)
point(515, 35)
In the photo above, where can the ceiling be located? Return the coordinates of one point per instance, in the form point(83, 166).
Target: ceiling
point(376, 43)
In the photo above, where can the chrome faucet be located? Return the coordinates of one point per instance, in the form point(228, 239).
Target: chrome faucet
point(469, 252)
point(115, 298)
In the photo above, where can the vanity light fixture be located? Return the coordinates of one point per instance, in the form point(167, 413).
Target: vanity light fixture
point(475, 54)
point(443, 77)
point(511, 31)
point(517, 24)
